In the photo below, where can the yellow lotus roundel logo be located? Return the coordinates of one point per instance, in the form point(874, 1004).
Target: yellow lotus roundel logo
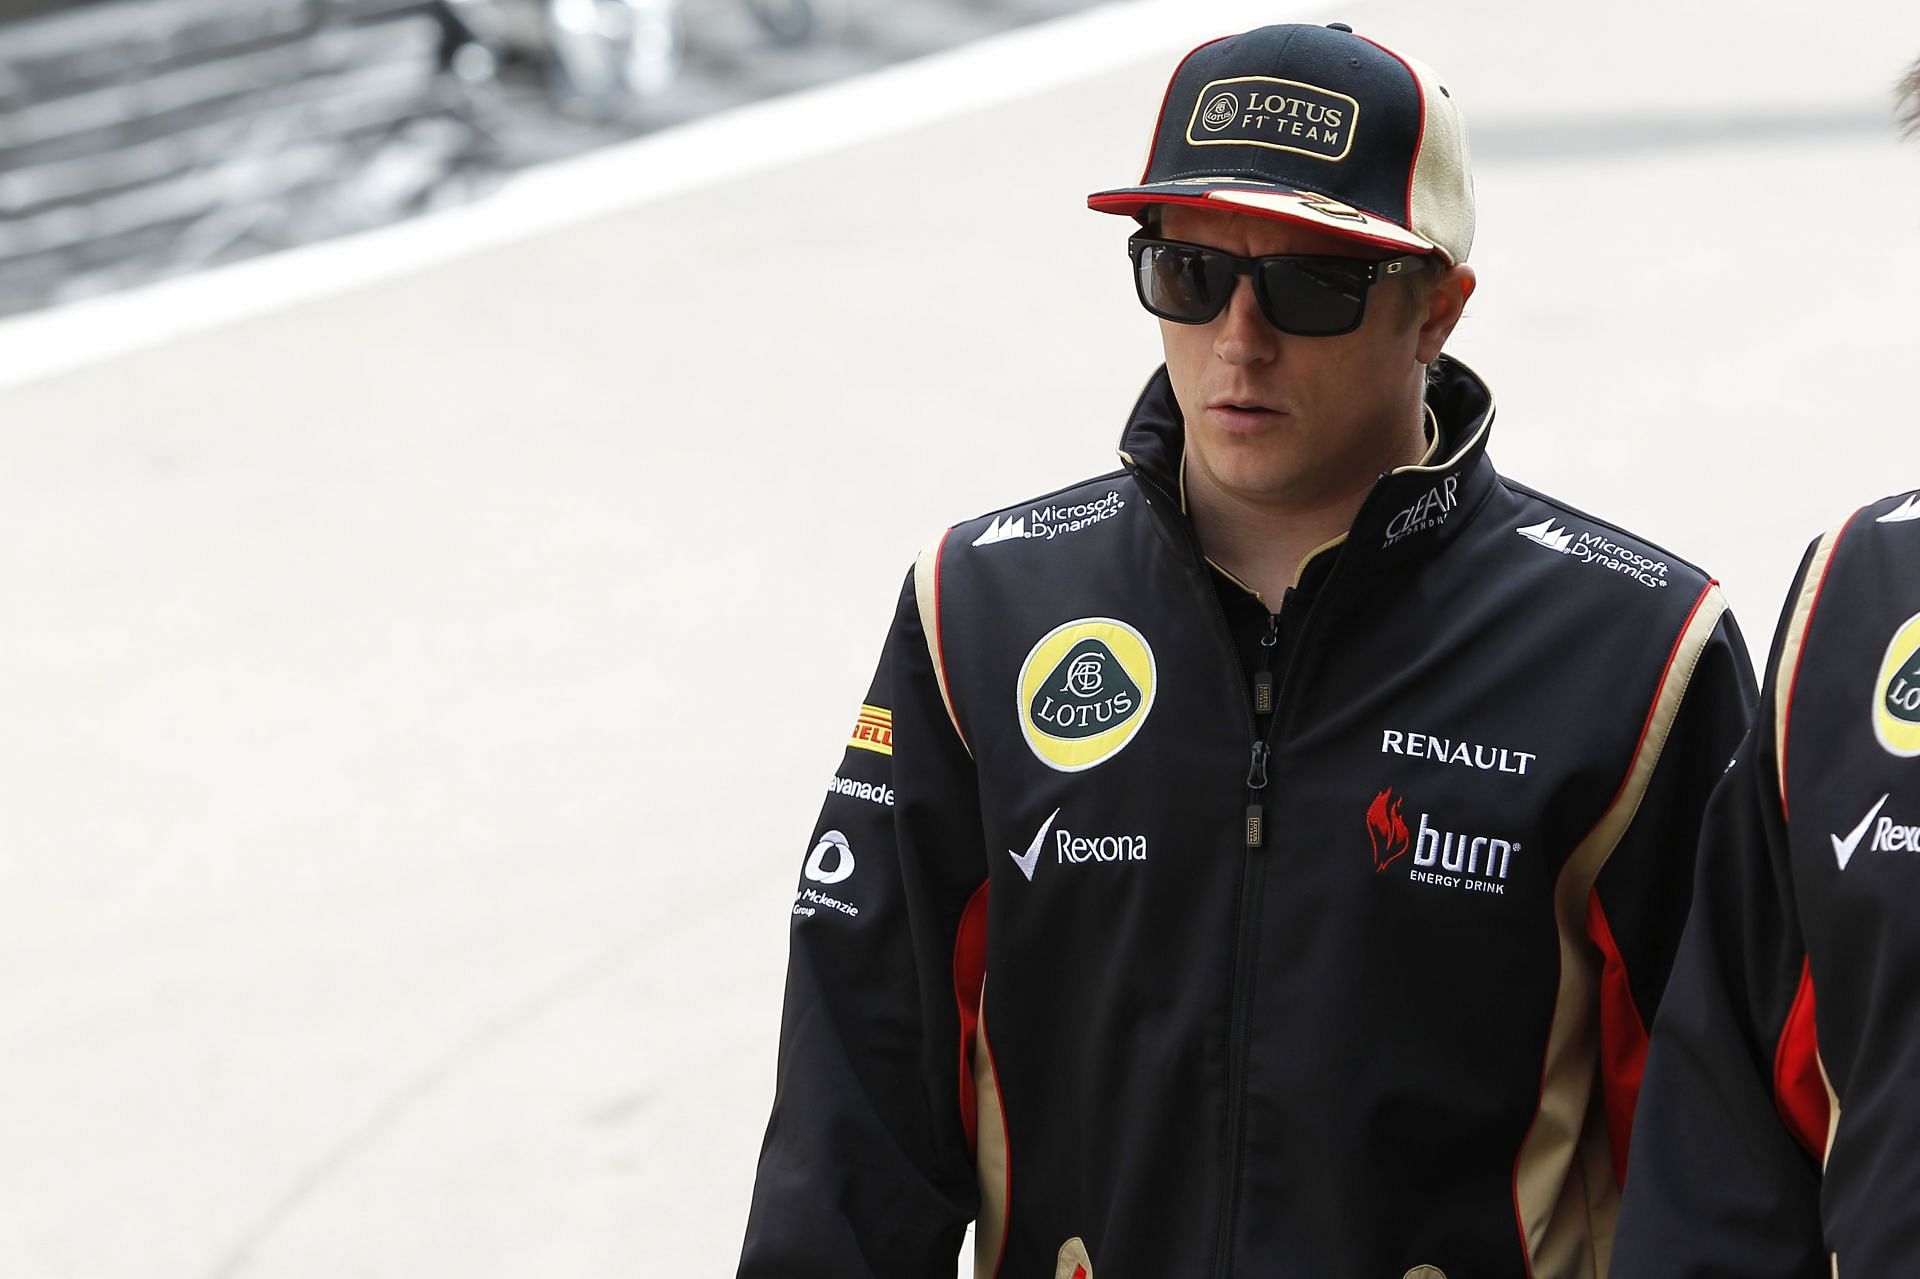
point(1896, 693)
point(1085, 690)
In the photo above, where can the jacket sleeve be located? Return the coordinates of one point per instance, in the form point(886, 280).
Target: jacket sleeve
point(865, 1169)
point(1724, 1179)
point(1639, 901)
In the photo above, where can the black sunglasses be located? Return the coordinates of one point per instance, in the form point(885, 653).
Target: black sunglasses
point(1299, 293)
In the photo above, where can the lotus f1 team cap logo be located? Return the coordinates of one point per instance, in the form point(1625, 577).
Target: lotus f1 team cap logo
point(1896, 693)
point(1085, 690)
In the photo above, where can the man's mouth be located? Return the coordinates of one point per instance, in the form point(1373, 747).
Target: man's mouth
point(1241, 414)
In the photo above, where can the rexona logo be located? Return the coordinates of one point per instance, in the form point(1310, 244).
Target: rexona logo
point(1430, 511)
point(1387, 829)
point(1896, 699)
point(1889, 836)
point(1592, 548)
point(1282, 115)
point(1044, 523)
point(1441, 858)
point(1078, 850)
point(1084, 691)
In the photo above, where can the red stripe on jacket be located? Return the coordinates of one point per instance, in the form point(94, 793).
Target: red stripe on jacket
point(969, 975)
point(1623, 1038)
point(1799, 1090)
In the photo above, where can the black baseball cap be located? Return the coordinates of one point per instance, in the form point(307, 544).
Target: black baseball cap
point(1315, 125)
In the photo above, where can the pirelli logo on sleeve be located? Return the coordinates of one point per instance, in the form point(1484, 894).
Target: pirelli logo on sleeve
point(1285, 115)
point(873, 731)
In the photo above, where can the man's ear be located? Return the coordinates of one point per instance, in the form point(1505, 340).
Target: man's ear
point(1445, 303)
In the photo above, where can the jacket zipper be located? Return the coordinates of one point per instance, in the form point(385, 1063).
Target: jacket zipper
point(1264, 706)
point(1253, 876)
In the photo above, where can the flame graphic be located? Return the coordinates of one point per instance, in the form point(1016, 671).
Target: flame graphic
point(1386, 829)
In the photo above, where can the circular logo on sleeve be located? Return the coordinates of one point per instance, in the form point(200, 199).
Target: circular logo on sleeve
point(1896, 693)
point(1085, 689)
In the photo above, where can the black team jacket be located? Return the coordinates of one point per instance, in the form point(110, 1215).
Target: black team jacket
point(1790, 1040)
point(1165, 938)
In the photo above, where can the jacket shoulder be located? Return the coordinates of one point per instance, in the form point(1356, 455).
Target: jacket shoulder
point(1049, 516)
point(1860, 567)
point(1889, 527)
point(1544, 523)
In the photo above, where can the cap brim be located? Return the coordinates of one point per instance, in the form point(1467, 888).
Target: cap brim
point(1309, 208)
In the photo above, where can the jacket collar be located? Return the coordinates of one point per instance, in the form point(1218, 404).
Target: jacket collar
point(1411, 512)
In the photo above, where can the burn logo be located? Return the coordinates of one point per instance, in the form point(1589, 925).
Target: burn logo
point(1441, 858)
point(1387, 829)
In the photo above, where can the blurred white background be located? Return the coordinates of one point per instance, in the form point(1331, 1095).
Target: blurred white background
point(419, 685)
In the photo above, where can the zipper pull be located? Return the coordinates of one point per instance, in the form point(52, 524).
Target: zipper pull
point(1263, 678)
point(1257, 782)
point(1257, 771)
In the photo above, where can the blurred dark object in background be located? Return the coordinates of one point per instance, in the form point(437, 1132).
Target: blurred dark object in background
point(141, 139)
point(597, 57)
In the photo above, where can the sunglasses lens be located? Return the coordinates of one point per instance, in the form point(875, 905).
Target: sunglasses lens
point(1313, 296)
point(1181, 283)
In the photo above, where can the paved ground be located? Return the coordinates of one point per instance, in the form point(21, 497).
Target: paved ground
point(418, 699)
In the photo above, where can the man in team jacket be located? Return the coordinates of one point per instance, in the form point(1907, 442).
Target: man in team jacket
point(1262, 859)
point(1782, 1048)
point(1778, 1132)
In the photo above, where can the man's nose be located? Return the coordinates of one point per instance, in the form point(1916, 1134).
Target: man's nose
point(1244, 336)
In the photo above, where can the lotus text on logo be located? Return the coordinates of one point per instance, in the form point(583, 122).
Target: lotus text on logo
point(1285, 115)
point(833, 844)
point(1044, 523)
point(1079, 850)
point(1430, 511)
point(1470, 863)
point(872, 792)
point(1084, 690)
point(1387, 829)
point(1088, 693)
point(1896, 692)
point(1903, 695)
point(1446, 750)
point(1592, 548)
